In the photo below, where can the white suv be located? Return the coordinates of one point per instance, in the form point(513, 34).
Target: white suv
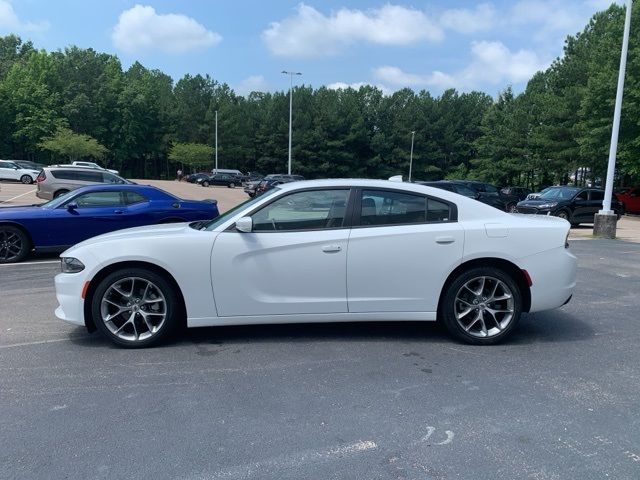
point(12, 171)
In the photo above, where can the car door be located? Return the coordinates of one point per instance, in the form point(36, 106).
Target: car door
point(402, 247)
point(596, 197)
point(581, 208)
point(9, 171)
point(293, 261)
point(87, 215)
point(632, 200)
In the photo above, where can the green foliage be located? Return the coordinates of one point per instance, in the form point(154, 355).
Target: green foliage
point(72, 145)
point(191, 154)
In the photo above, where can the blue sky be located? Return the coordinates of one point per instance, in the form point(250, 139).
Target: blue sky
point(421, 44)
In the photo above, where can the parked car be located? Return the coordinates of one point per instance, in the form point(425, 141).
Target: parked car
point(223, 179)
point(517, 193)
point(228, 171)
point(326, 251)
point(462, 188)
point(575, 204)
point(630, 199)
point(57, 180)
point(10, 170)
point(271, 181)
point(82, 163)
point(534, 195)
point(29, 165)
point(89, 211)
point(193, 178)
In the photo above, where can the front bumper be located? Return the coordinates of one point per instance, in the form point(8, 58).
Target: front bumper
point(69, 295)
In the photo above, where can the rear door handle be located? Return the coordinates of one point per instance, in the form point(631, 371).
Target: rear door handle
point(445, 240)
point(331, 248)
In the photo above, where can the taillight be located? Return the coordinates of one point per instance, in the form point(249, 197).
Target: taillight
point(41, 177)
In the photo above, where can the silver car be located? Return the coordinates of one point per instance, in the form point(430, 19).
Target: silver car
point(59, 179)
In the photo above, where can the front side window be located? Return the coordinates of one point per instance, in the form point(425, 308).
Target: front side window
point(597, 195)
point(308, 210)
point(99, 199)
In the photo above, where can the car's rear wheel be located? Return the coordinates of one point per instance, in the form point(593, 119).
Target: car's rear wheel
point(205, 184)
point(135, 307)
point(232, 185)
point(59, 193)
point(26, 179)
point(482, 306)
point(14, 244)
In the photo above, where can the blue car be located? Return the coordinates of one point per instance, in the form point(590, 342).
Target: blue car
point(90, 211)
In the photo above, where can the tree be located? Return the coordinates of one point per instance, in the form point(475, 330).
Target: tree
point(73, 145)
point(194, 155)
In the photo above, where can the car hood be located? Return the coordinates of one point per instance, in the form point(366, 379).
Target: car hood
point(534, 202)
point(139, 232)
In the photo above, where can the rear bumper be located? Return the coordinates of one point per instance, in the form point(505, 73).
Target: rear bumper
point(553, 274)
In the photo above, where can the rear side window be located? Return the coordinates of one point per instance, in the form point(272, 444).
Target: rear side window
point(89, 176)
point(131, 198)
point(596, 195)
point(106, 177)
point(382, 207)
point(64, 174)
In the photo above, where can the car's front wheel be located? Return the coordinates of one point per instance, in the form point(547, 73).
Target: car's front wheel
point(205, 184)
point(26, 179)
point(14, 244)
point(482, 306)
point(232, 185)
point(135, 307)
point(511, 208)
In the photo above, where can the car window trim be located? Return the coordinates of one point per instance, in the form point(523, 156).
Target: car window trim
point(348, 214)
point(357, 208)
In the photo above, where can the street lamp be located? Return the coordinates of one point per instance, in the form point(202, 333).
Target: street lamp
point(604, 223)
point(291, 74)
point(216, 169)
point(413, 134)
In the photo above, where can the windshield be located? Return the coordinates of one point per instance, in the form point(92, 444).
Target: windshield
point(229, 213)
point(56, 202)
point(564, 193)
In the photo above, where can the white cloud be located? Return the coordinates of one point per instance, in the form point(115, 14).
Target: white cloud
point(254, 83)
point(492, 63)
point(356, 86)
point(10, 22)
point(309, 33)
point(141, 28)
point(464, 20)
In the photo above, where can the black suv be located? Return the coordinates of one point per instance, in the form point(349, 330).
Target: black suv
point(472, 190)
point(225, 179)
point(575, 204)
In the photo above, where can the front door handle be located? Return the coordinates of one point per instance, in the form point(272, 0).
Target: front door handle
point(445, 240)
point(331, 248)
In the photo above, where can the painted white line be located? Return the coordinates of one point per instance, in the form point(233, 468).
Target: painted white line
point(282, 463)
point(26, 344)
point(28, 263)
point(18, 196)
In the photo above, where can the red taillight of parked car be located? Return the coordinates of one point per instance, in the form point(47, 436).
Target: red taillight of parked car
point(41, 177)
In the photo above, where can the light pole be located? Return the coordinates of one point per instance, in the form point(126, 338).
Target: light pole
point(605, 220)
point(291, 74)
point(216, 169)
point(413, 134)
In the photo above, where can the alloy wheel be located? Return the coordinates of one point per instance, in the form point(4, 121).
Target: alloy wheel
point(133, 309)
point(11, 245)
point(484, 306)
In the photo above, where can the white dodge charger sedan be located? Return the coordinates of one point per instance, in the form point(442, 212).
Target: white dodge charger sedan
point(323, 251)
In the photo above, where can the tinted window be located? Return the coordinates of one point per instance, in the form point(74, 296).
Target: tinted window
point(438, 211)
point(311, 210)
point(582, 196)
point(392, 208)
point(7, 165)
point(64, 174)
point(467, 192)
point(133, 197)
point(490, 188)
point(99, 199)
point(597, 195)
point(89, 176)
point(107, 177)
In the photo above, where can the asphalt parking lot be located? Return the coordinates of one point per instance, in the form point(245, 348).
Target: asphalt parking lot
point(334, 401)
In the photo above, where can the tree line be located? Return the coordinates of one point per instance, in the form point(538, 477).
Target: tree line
point(556, 131)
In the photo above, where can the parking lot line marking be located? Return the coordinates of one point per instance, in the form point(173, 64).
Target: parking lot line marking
point(26, 344)
point(18, 196)
point(28, 263)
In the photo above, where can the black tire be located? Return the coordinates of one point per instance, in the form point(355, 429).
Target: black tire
point(14, 244)
point(563, 214)
point(26, 179)
point(205, 184)
point(172, 308)
point(232, 185)
point(511, 208)
point(574, 225)
point(451, 302)
point(60, 192)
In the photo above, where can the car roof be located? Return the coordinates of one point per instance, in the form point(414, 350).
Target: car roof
point(149, 190)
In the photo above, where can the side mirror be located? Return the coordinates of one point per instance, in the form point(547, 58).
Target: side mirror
point(72, 206)
point(244, 224)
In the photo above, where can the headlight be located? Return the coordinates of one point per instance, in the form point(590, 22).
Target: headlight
point(548, 205)
point(71, 265)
